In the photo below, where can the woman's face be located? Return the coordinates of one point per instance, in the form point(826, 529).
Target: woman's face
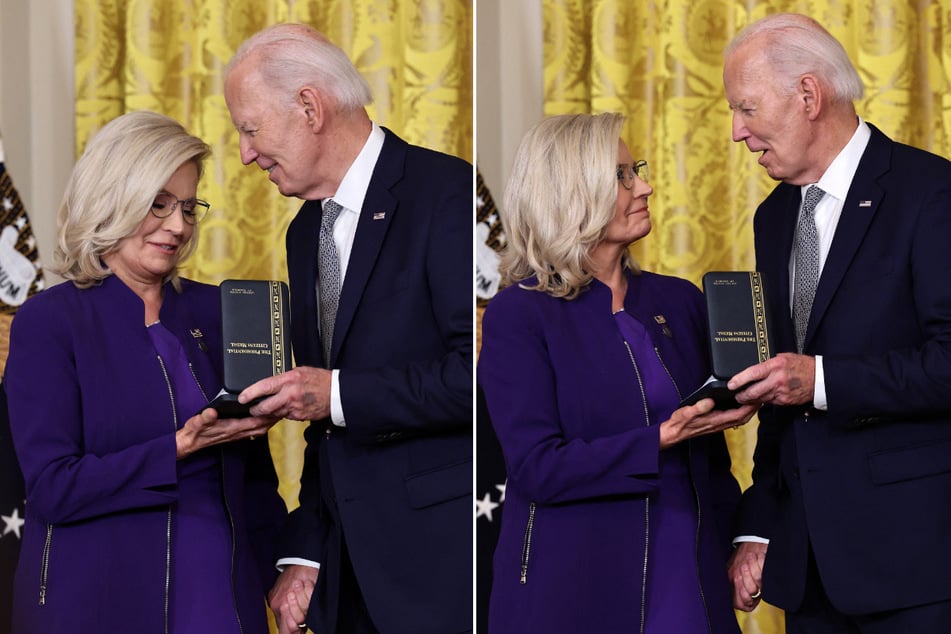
point(632, 219)
point(149, 255)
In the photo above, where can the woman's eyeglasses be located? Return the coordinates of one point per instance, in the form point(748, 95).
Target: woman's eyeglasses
point(626, 173)
point(193, 209)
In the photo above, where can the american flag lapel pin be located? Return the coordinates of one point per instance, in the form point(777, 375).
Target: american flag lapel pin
point(865, 203)
point(380, 215)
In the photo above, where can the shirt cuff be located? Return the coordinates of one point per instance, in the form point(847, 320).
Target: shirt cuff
point(284, 562)
point(336, 406)
point(819, 400)
point(749, 538)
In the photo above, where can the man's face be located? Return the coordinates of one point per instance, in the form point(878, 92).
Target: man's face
point(768, 117)
point(272, 133)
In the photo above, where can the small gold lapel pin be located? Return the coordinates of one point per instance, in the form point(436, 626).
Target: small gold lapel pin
point(662, 321)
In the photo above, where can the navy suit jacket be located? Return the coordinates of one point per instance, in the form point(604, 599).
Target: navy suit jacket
point(396, 483)
point(867, 482)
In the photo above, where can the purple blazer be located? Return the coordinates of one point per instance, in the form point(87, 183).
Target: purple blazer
point(93, 427)
point(581, 460)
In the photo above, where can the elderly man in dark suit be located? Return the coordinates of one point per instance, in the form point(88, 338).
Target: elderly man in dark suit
point(849, 506)
point(380, 269)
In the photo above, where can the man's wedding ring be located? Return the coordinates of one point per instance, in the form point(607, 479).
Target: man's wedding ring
point(756, 595)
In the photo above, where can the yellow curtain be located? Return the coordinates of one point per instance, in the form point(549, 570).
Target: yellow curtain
point(169, 55)
point(660, 63)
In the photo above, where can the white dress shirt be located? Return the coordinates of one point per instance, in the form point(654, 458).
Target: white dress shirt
point(350, 195)
point(835, 182)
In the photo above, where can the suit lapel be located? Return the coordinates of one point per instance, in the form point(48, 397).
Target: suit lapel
point(861, 204)
point(379, 208)
point(774, 248)
point(302, 237)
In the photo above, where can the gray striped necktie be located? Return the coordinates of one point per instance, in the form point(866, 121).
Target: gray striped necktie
point(328, 276)
point(807, 263)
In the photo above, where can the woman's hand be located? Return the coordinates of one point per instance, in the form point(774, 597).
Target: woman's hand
point(700, 419)
point(206, 429)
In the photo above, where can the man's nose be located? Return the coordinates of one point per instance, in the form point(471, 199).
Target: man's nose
point(247, 152)
point(739, 128)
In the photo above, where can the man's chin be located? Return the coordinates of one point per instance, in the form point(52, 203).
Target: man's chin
point(770, 168)
point(284, 191)
point(773, 173)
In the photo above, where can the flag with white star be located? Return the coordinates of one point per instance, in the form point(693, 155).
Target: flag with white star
point(11, 514)
point(20, 272)
point(490, 240)
point(490, 471)
point(489, 498)
point(20, 277)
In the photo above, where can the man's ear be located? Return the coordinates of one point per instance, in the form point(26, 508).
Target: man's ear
point(810, 91)
point(314, 107)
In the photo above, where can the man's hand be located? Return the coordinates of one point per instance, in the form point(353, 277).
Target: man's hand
point(786, 379)
point(299, 394)
point(290, 597)
point(746, 574)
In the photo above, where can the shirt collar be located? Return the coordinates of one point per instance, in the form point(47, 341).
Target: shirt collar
point(353, 187)
point(838, 177)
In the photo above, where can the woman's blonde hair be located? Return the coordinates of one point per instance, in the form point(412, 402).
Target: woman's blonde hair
point(112, 188)
point(561, 196)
